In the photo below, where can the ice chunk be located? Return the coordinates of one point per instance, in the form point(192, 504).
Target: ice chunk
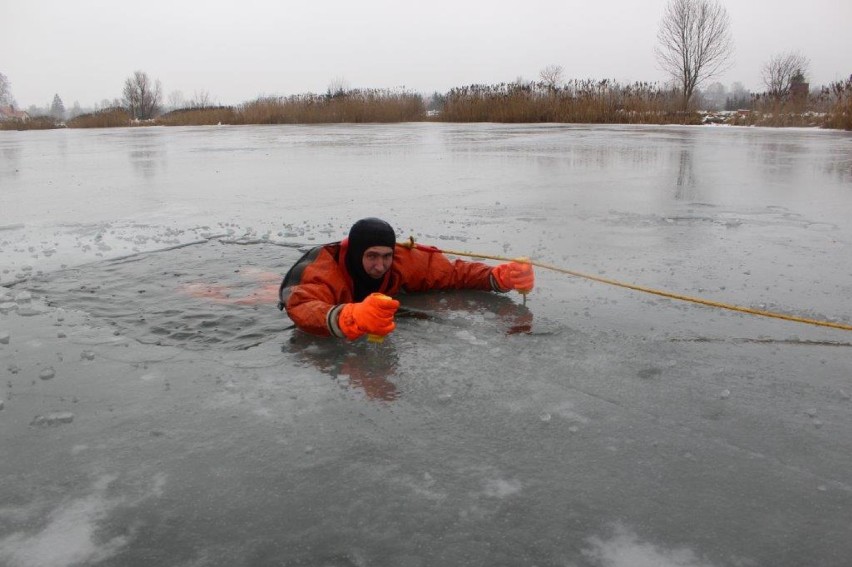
point(47, 373)
point(4, 337)
point(7, 306)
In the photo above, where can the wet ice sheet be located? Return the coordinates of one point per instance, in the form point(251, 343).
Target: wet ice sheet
point(425, 447)
point(597, 427)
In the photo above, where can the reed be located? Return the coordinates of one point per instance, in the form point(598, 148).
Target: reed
point(839, 95)
point(107, 118)
point(578, 101)
point(355, 106)
point(829, 107)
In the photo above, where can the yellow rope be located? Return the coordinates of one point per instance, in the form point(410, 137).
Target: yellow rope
point(644, 289)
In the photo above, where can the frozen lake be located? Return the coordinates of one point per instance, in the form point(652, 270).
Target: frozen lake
point(157, 409)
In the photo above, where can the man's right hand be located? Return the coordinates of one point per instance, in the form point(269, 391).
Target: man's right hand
point(374, 316)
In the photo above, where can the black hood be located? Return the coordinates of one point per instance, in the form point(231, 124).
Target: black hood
point(364, 234)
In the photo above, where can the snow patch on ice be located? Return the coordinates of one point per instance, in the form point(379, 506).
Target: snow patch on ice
point(501, 488)
point(69, 538)
point(624, 549)
point(469, 337)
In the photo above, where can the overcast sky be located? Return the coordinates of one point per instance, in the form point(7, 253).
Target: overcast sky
point(237, 50)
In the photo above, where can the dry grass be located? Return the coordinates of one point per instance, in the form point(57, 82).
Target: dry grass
point(588, 101)
point(205, 116)
point(107, 118)
point(34, 123)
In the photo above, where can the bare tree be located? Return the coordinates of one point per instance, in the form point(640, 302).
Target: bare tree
point(782, 70)
point(142, 96)
point(76, 110)
point(176, 100)
point(551, 76)
point(200, 99)
point(694, 43)
point(6, 92)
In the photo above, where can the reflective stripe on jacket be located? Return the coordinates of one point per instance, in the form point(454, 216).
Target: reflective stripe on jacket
point(318, 285)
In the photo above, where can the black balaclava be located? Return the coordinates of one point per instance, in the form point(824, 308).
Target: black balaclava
point(364, 234)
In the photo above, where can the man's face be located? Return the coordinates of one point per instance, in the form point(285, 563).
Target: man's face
point(377, 260)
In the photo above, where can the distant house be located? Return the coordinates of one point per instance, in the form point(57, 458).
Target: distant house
point(9, 113)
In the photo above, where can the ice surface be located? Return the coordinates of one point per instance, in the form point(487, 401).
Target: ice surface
point(187, 423)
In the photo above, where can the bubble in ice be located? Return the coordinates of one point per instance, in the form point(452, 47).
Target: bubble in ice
point(4, 337)
point(725, 394)
point(53, 419)
point(47, 373)
point(545, 416)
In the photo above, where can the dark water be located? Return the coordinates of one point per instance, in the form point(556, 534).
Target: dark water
point(593, 426)
point(202, 296)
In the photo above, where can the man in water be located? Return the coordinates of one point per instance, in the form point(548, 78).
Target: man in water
point(343, 289)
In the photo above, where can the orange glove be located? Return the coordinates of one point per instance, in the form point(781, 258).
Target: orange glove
point(514, 275)
point(374, 315)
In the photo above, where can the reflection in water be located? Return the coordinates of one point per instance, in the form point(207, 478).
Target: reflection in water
point(62, 143)
point(685, 177)
point(371, 367)
point(147, 154)
point(146, 162)
point(10, 166)
point(358, 364)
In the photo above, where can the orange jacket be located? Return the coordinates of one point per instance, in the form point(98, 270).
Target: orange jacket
point(317, 286)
